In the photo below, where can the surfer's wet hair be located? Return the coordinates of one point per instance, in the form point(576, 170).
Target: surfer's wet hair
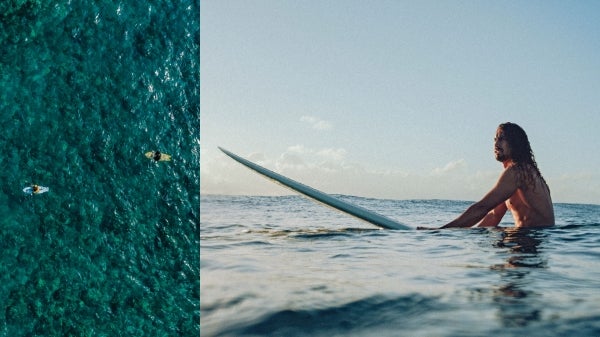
point(521, 151)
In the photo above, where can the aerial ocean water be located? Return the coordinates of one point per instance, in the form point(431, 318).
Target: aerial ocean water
point(86, 88)
point(286, 266)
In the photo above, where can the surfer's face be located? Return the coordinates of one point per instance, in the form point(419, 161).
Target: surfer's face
point(501, 147)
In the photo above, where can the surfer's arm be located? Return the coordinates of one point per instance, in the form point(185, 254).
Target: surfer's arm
point(493, 218)
point(471, 216)
point(492, 201)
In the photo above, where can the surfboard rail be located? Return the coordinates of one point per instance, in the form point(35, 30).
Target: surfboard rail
point(322, 197)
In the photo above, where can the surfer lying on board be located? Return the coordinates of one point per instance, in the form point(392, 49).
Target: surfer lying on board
point(157, 156)
point(521, 187)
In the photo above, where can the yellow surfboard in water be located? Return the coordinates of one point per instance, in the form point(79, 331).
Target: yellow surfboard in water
point(158, 156)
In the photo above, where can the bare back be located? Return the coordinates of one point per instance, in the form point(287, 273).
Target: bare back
point(531, 205)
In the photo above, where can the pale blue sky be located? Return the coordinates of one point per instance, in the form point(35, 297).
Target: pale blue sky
point(398, 99)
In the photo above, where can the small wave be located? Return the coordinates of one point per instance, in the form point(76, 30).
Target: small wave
point(358, 317)
point(317, 233)
point(207, 309)
point(327, 233)
point(577, 226)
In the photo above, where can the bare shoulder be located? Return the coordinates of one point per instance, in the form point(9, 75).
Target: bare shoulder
point(510, 176)
point(512, 170)
point(524, 175)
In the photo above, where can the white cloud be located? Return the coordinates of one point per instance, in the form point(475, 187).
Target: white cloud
point(578, 187)
point(316, 123)
point(332, 154)
point(257, 157)
point(453, 166)
point(290, 159)
point(299, 149)
point(301, 157)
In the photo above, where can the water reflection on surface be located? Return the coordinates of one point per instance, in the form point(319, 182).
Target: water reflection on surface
point(518, 302)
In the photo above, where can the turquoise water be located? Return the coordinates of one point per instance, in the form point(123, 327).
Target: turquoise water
point(86, 88)
point(286, 266)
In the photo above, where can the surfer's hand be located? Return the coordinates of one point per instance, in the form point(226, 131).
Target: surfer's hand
point(426, 228)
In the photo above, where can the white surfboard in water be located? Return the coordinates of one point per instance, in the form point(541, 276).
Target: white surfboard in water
point(40, 190)
point(346, 207)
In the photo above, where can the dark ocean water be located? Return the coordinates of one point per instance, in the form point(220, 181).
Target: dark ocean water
point(286, 266)
point(86, 88)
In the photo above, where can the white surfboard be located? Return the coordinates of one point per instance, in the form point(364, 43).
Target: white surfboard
point(346, 207)
point(41, 189)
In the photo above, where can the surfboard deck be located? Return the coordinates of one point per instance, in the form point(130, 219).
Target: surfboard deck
point(29, 190)
point(322, 197)
point(163, 156)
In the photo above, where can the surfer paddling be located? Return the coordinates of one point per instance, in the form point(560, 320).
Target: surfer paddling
point(521, 187)
point(35, 189)
point(157, 156)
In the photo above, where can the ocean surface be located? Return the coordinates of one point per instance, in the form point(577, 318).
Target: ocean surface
point(86, 88)
point(286, 266)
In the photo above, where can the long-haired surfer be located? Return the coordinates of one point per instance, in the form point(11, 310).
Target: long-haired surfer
point(521, 187)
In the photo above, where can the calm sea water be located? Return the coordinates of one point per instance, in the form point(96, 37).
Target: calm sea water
point(86, 88)
point(285, 266)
